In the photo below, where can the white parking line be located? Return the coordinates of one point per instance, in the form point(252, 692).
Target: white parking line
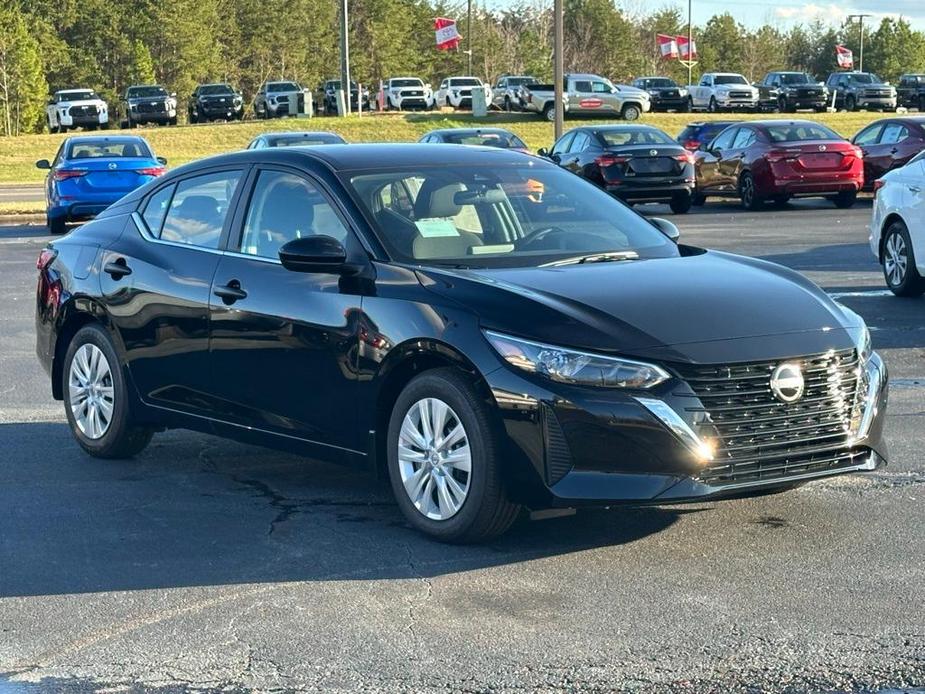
point(861, 293)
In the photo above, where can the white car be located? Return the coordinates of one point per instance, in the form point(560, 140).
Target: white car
point(72, 108)
point(723, 91)
point(897, 228)
point(408, 92)
point(457, 92)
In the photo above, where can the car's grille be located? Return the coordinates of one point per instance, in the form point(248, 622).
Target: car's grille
point(740, 95)
point(756, 435)
point(88, 110)
point(806, 93)
point(406, 93)
point(148, 107)
point(877, 92)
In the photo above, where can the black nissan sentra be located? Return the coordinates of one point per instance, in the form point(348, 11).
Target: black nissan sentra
point(492, 331)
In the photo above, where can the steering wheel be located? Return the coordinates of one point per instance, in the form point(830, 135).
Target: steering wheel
point(538, 235)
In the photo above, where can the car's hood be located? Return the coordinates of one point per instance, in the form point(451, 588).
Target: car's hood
point(80, 102)
point(626, 90)
point(735, 88)
point(139, 99)
point(691, 308)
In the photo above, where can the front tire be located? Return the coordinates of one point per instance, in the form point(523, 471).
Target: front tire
point(444, 460)
point(96, 398)
point(899, 271)
point(631, 112)
point(851, 103)
point(712, 106)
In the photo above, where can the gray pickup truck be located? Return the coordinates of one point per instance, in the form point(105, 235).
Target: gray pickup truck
point(587, 94)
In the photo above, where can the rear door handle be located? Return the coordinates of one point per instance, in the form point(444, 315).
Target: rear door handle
point(230, 293)
point(915, 189)
point(117, 269)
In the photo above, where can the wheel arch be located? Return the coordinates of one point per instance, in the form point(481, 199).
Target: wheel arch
point(403, 363)
point(75, 315)
point(887, 222)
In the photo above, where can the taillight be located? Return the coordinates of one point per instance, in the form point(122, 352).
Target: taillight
point(685, 157)
point(152, 171)
point(610, 160)
point(775, 155)
point(46, 256)
point(878, 184)
point(691, 144)
point(64, 174)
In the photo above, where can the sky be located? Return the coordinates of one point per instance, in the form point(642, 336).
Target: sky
point(783, 12)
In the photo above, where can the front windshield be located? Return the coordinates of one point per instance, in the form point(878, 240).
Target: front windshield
point(800, 131)
point(210, 89)
point(489, 139)
point(465, 82)
point(618, 136)
point(658, 83)
point(529, 214)
point(146, 92)
point(729, 79)
point(283, 87)
point(864, 78)
point(800, 78)
point(518, 81)
point(77, 96)
point(407, 83)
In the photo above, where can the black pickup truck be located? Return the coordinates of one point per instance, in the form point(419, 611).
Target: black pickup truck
point(788, 91)
point(666, 94)
point(148, 103)
point(911, 92)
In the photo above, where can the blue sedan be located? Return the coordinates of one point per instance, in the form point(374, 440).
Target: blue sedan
point(89, 173)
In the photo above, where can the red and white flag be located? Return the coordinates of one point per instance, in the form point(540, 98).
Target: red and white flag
point(687, 49)
point(844, 56)
point(447, 35)
point(667, 46)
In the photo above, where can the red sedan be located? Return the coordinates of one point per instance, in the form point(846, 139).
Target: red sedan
point(772, 161)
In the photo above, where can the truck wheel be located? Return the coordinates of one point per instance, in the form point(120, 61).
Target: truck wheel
point(712, 107)
point(549, 112)
point(922, 104)
point(190, 118)
point(851, 103)
point(630, 112)
point(173, 121)
point(748, 194)
point(686, 107)
point(52, 128)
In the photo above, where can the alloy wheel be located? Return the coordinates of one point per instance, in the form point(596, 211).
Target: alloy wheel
point(895, 259)
point(747, 191)
point(434, 459)
point(91, 391)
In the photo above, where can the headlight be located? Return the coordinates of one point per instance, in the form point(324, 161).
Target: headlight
point(571, 366)
point(682, 92)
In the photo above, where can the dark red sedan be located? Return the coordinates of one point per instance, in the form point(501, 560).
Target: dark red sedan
point(888, 144)
point(774, 160)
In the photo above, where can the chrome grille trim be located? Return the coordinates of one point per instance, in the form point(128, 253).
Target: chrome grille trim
point(758, 437)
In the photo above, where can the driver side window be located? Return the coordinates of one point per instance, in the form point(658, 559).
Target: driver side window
point(724, 140)
point(600, 88)
point(562, 145)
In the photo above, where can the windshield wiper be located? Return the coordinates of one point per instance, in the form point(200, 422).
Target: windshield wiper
point(609, 257)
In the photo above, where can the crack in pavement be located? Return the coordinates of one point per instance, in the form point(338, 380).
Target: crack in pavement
point(427, 596)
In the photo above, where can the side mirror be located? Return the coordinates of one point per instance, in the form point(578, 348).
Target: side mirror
point(315, 254)
point(173, 95)
point(667, 228)
point(542, 152)
point(162, 160)
point(43, 164)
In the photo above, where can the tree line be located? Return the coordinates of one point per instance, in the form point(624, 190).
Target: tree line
point(47, 45)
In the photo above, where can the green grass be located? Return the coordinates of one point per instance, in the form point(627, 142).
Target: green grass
point(185, 143)
point(22, 208)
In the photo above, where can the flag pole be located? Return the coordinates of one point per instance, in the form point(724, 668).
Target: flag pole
point(690, 38)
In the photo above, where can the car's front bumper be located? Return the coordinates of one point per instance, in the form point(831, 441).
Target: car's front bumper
point(888, 103)
point(669, 104)
point(228, 110)
point(572, 446)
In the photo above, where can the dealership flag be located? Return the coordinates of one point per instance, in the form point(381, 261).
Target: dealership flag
point(844, 56)
point(667, 46)
point(447, 36)
point(688, 49)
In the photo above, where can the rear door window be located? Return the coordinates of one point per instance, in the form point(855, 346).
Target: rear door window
point(198, 209)
point(156, 209)
point(579, 143)
point(744, 138)
point(893, 133)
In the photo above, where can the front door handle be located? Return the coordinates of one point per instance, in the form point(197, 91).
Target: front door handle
point(914, 189)
point(117, 269)
point(230, 293)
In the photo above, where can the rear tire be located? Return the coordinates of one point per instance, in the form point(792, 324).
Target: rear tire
point(845, 199)
point(851, 103)
point(681, 203)
point(421, 474)
point(56, 225)
point(748, 194)
point(95, 383)
point(898, 261)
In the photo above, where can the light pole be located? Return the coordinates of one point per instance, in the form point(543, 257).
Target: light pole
point(860, 18)
point(469, 36)
point(558, 69)
point(690, 38)
point(345, 58)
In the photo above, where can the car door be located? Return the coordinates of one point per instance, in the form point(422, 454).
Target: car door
point(571, 159)
point(282, 343)
point(733, 160)
point(156, 279)
point(580, 97)
point(709, 160)
point(610, 99)
point(560, 149)
point(902, 146)
point(876, 156)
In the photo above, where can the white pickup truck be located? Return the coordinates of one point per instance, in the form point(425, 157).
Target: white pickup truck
point(723, 91)
point(72, 108)
point(587, 94)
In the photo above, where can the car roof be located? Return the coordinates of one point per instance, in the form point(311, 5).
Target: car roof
point(726, 74)
point(215, 84)
point(409, 77)
point(300, 133)
point(75, 89)
point(780, 121)
point(447, 131)
point(138, 86)
point(619, 127)
point(106, 138)
point(705, 123)
point(655, 77)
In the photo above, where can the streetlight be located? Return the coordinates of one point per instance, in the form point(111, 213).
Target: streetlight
point(345, 60)
point(558, 69)
point(860, 18)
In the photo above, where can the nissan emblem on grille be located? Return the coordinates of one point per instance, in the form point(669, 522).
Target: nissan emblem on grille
point(787, 382)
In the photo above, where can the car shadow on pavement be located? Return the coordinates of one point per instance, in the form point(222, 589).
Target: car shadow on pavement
point(194, 510)
point(842, 257)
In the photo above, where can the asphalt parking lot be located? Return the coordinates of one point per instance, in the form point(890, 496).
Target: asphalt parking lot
point(210, 565)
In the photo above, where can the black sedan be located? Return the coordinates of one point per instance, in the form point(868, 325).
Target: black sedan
point(297, 138)
point(636, 163)
point(489, 348)
point(487, 137)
